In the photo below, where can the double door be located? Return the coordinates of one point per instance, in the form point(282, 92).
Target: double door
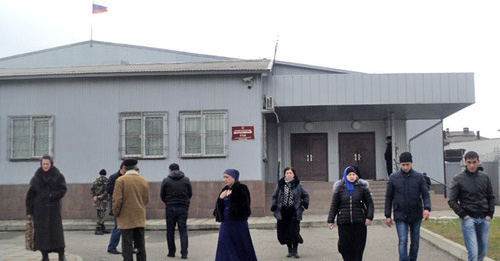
point(309, 153)
point(357, 149)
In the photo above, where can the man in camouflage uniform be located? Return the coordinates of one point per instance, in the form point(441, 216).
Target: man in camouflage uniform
point(100, 201)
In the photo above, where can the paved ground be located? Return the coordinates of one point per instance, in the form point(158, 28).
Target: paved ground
point(320, 242)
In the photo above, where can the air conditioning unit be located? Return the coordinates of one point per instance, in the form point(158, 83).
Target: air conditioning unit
point(268, 103)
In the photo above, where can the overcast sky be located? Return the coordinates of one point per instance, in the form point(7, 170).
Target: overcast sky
point(367, 36)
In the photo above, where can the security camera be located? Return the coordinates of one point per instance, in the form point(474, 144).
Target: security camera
point(247, 79)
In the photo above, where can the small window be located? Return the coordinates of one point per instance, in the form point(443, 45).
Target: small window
point(143, 134)
point(30, 137)
point(203, 133)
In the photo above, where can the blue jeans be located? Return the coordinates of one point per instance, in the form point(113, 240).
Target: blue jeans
point(115, 237)
point(475, 232)
point(414, 228)
point(177, 215)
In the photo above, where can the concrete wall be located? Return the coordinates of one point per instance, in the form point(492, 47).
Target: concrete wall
point(77, 204)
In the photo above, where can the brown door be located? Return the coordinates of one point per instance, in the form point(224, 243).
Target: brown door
point(310, 156)
point(357, 149)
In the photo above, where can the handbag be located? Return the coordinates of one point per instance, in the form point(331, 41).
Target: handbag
point(30, 235)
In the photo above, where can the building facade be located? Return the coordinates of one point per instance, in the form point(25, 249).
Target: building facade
point(92, 104)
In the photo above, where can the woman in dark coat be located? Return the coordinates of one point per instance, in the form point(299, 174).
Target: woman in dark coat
point(43, 204)
point(288, 202)
point(352, 204)
point(232, 209)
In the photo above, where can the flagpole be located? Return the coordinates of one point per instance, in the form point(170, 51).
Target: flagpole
point(90, 35)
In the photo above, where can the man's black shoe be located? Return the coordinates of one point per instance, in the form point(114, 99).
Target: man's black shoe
point(171, 255)
point(114, 251)
point(184, 257)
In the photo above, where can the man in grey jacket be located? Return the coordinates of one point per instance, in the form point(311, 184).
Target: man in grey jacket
point(176, 192)
point(473, 200)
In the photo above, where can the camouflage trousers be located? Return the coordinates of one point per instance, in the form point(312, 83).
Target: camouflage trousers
point(101, 214)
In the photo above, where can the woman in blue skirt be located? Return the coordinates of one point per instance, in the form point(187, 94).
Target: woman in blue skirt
point(232, 209)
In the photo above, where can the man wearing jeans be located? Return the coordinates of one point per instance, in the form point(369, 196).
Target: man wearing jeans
point(115, 234)
point(408, 197)
point(176, 193)
point(473, 200)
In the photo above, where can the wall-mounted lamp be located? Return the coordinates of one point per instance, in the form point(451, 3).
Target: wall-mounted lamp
point(308, 126)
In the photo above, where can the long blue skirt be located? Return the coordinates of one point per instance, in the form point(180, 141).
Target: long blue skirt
point(235, 242)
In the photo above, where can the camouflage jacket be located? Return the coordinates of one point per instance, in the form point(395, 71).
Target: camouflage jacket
point(99, 190)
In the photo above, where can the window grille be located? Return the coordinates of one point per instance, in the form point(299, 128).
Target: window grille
point(144, 134)
point(30, 137)
point(203, 133)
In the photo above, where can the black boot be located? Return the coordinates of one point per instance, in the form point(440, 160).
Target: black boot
point(45, 256)
point(295, 249)
point(62, 257)
point(98, 231)
point(103, 229)
point(290, 251)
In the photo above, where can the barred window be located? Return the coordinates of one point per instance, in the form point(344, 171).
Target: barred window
point(30, 137)
point(143, 134)
point(203, 133)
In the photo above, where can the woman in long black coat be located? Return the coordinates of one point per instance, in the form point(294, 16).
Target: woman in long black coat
point(288, 202)
point(232, 209)
point(352, 205)
point(43, 204)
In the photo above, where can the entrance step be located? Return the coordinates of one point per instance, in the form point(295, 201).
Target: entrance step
point(321, 193)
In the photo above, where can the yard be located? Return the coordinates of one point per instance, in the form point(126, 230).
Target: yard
point(450, 228)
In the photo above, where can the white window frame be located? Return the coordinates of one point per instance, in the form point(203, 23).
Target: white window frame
point(202, 115)
point(124, 116)
point(32, 119)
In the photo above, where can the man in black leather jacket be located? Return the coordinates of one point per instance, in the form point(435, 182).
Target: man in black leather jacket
point(473, 200)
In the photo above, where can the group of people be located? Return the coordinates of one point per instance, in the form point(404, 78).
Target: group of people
point(407, 202)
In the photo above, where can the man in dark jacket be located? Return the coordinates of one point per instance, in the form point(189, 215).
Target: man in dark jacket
point(408, 196)
point(115, 234)
point(388, 155)
point(473, 200)
point(176, 193)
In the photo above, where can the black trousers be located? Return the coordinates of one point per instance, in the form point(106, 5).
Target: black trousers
point(352, 241)
point(135, 235)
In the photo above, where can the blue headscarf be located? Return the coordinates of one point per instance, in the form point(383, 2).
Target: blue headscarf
point(348, 184)
point(234, 173)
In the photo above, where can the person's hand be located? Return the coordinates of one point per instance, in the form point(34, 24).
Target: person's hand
point(426, 214)
point(466, 217)
point(488, 218)
point(330, 226)
point(28, 216)
point(225, 193)
point(368, 222)
point(95, 198)
point(388, 221)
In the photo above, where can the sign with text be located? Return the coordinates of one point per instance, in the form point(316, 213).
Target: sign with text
point(242, 133)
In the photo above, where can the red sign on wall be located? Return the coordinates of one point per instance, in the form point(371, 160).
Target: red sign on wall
point(242, 133)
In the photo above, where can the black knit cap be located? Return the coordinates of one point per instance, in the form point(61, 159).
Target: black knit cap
point(405, 157)
point(102, 172)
